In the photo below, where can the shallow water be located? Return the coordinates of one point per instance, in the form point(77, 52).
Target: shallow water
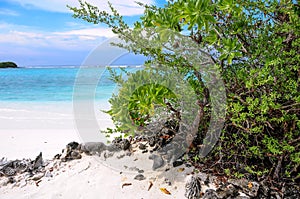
point(52, 84)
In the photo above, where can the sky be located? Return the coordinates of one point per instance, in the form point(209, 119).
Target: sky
point(44, 33)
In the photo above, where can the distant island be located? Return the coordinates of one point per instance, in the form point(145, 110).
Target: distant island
point(8, 65)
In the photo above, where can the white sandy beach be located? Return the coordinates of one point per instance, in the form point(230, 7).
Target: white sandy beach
point(29, 128)
point(26, 128)
point(87, 178)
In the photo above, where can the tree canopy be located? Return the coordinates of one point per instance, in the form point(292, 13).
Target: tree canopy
point(8, 65)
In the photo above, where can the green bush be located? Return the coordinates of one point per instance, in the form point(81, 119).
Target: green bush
point(139, 99)
point(256, 46)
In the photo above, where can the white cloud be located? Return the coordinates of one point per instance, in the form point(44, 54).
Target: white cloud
point(9, 12)
point(125, 7)
point(81, 39)
point(91, 32)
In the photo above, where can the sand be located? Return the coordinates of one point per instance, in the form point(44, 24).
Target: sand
point(27, 129)
point(87, 178)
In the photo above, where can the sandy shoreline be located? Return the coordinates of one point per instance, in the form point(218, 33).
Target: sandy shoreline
point(26, 128)
point(30, 128)
point(87, 178)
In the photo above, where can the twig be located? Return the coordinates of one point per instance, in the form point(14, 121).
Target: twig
point(85, 168)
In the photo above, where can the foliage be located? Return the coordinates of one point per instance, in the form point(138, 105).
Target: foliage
point(256, 46)
point(139, 98)
point(8, 65)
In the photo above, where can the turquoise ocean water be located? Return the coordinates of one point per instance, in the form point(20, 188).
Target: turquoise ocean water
point(53, 84)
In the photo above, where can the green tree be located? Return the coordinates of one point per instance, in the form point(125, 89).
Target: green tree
point(8, 65)
point(256, 46)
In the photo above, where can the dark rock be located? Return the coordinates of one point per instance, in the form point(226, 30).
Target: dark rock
point(57, 156)
point(11, 180)
point(242, 197)
point(291, 192)
point(92, 148)
point(121, 156)
point(108, 154)
point(116, 141)
point(275, 195)
point(75, 155)
point(161, 142)
point(38, 161)
point(8, 171)
point(152, 141)
point(177, 163)
point(168, 182)
point(227, 191)
point(140, 177)
point(73, 145)
point(210, 194)
point(142, 146)
point(72, 151)
point(143, 138)
point(264, 190)
point(207, 180)
point(157, 161)
point(125, 144)
point(155, 148)
point(145, 151)
point(249, 188)
point(140, 171)
point(188, 165)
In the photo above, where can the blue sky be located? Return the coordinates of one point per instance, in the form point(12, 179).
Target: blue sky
point(43, 32)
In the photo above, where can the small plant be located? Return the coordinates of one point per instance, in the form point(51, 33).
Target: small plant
point(140, 100)
point(227, 172)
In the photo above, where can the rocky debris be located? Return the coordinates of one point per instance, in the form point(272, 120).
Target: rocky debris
point(158, 162)
point(288, 191)
point(247, 187)
point(177, 163)
point(142, 146)
point(168, 182)
point(158, 140)
point(152, 141)
point(227, 191)
point(92, 148)
point(198, 186)
point(139, 177)
point(20, 172)
point(38, 162)
point(73, 145)
point(210, 194)
point(123, 144)
point(291, 192)
point(11, 168)
point(70, 152)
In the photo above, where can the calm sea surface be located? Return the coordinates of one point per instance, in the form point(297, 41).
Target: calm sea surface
point(54, 84)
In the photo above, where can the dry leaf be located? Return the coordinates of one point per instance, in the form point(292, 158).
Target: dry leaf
point(180, 169)
point(150, 185)
point(165, 191)
point(250, 185)
point(126, 184)
point(37, 182)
